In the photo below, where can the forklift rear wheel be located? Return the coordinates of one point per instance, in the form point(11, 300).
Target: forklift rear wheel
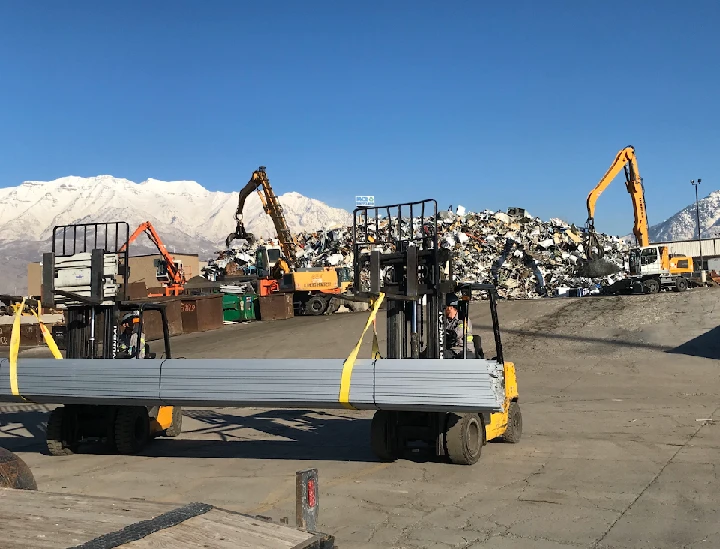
point(383, 444)
point(132, 429)
point(176, 428)
point(60, 434)
point(513, 431)
point(464, 438)
point(316, 305)
point(652, 286)
point(681, 284)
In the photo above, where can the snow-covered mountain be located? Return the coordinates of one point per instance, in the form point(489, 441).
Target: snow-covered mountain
point(188, 217)
point(683, 225)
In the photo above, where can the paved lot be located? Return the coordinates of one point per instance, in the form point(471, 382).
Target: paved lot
point(617, 451)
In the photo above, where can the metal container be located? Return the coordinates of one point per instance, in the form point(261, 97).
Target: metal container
point(202, 313)
point(276, 306)
point(231, 308)
point(152, 321)
point(30, 335)
point(248, 304)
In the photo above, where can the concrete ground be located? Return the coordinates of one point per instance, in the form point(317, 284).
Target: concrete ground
point(620, 445)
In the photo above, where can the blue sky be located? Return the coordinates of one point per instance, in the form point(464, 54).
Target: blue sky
point(474, 103)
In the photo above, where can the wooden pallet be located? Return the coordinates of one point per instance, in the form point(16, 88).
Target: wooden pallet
point(41, 520)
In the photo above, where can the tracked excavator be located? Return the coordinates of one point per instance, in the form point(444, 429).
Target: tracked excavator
point(313, 288)
point(652, 267)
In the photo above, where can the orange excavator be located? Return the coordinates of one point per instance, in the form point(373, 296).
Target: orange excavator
point(651, 266)
point(313, 288)
point(169, 271)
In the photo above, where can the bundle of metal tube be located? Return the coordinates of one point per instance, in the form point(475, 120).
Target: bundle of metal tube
point(411, 385)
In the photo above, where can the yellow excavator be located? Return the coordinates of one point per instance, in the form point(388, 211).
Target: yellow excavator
point(314, 287)
point(652, 267)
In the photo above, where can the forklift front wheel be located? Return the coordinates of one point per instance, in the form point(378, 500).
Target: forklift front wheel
point(60, 434)
point(382, 440)
point(464, 438)
point(132, 429)
point(513, 432)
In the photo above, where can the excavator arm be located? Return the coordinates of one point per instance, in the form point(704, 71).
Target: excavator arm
point(260, 183)
point(177, 277)
point(626, 160)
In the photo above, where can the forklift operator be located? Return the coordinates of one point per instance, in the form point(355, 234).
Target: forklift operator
point(128, 340)
point(454, 330)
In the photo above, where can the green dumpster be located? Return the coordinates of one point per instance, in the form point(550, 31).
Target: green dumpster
point(247, 306)
point(232, 308)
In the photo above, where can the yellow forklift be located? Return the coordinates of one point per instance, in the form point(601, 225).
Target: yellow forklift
point(397, 254)
point(86, 274)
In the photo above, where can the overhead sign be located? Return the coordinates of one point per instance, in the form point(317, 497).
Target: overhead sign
point(364, 200)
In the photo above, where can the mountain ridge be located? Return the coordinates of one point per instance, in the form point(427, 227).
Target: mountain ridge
point(187, 216)
point(683, 224)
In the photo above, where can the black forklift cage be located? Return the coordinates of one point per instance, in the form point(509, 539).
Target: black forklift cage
point(110, 241)
point(406, 246)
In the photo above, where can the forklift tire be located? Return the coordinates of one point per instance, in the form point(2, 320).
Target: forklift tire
point(59, 433)
point(132, 429)
point(176, 427)
point(681, 284)
point(651, 286)
point(464, 436)
point(316, 305)
point(382, 446)
point(513, 431)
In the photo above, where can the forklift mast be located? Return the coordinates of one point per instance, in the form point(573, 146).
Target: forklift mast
point(396, 253)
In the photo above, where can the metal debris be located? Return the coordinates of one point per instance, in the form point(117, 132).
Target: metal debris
point(524, 256)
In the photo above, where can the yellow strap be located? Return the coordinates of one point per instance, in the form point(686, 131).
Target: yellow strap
point(344, 398)
point(15, 349)
point(375, 353)
point(47, 336)
point(15, 346)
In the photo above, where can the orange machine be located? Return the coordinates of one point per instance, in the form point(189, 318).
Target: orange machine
point(277, 264)
point(169, 272)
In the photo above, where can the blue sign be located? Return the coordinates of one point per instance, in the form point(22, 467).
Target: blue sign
point(364, 200)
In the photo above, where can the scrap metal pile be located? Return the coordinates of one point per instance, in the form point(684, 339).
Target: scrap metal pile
point(524, 256)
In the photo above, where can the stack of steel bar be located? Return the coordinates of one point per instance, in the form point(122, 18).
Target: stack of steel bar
point(412, 385)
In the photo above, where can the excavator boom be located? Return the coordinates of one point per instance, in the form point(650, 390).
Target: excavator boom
point(259, 182)
point(176, 276)
point(626, 160)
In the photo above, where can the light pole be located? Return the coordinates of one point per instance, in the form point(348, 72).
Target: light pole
point(697, 214)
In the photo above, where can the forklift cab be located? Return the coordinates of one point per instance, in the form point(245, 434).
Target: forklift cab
point(472, 343)
point(138, 310)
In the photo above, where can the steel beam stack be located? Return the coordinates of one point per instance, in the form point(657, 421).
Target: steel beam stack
point(409, 385)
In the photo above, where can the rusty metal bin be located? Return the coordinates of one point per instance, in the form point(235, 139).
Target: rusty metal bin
point(152, 320)
point(30, 335)
point(202, 313)
point(276, 306)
